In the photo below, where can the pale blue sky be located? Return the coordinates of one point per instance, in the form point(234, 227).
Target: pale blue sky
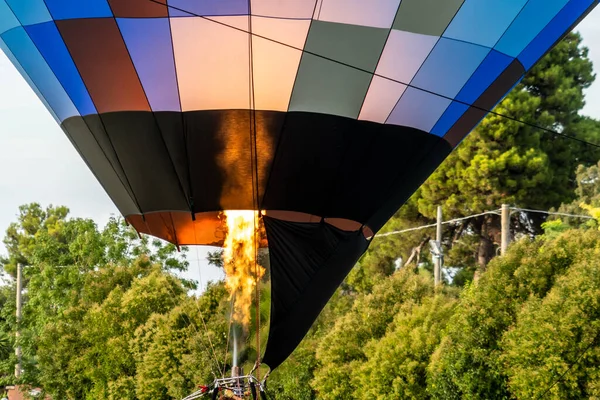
point(38, 163)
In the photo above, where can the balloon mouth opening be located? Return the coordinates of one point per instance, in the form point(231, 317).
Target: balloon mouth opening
point(210, 228)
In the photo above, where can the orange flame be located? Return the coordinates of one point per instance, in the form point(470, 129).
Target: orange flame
point(239, 260)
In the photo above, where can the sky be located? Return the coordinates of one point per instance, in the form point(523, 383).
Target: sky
point(39, 164)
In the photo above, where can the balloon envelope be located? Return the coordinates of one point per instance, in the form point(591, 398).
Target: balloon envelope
point(326, 114)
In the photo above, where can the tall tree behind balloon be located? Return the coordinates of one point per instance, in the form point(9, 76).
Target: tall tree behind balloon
point(506, 161)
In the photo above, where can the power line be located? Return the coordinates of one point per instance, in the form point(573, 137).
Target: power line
point(552, 213)
point(495, 212)
point(443, 223)
point(483, 109)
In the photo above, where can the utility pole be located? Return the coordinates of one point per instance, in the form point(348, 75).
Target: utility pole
point(18, 334)
point(437, 273)
point(505, 229)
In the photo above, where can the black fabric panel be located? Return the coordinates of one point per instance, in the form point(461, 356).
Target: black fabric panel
point(308, 263)
point(341, 167)
point(309, 155)
point(369, 169)
point(145, 160)
point(424, 162)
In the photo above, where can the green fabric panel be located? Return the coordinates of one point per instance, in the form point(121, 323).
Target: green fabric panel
point(428, 17)
point(328, 87)
point(359, 46)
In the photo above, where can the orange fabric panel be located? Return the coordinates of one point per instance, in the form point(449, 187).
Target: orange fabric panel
point(209, 228)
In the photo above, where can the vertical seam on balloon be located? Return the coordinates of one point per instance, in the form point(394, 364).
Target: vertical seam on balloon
point(255, 194)
point(160, 132)
point(183, 122)
point(425, 60)
point(134, 197)
point(130, 191)
point(252, 114)
point(492, 49)
point(379, 59)
point(287, 111)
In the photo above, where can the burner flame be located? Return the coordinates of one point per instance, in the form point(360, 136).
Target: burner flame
point(240, 251)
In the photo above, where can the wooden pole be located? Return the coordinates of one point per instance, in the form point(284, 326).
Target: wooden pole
point(18, 333)
point(505, 227)
point(437, 274)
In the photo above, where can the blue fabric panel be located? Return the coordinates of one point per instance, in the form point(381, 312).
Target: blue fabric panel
point(486, 74)
point(70, 9)
point(7, 18)
point(449, 66)
point(50, 44)
point(533, 18)
point(483, 21)
point(30, 12)
point(418, 109)
point(554, 30)
point(40, 73)
point(19, 68)
point(207, 7)
point(149, 44)
point(449, 118)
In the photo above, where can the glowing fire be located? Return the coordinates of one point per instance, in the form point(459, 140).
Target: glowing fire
point(239, 259)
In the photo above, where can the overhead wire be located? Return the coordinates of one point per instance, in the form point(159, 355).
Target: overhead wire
point(476, 107)
point(552, 213)
point(212, 348)
point(434, 225)
point(496, 212)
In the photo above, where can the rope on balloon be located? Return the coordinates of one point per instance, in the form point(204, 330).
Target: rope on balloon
point(255, 187)
point(476, 107)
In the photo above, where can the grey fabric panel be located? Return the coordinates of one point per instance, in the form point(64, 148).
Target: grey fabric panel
point(144, 156)
point(78, 132)
point(427, 17)
point(95, 125)
point(327, 87)
point(359, 46)
point(172, 129)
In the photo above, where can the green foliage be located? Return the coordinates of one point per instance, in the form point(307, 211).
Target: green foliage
point(468, 363)
point(397, 363)
point(552, 333)
point(342, 350)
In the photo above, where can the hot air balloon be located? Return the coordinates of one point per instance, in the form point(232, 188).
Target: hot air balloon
point(326, 115)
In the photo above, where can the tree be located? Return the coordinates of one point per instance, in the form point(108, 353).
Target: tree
point(72, 272)
point(343, 348)
point(397, 363)
point(558, 335)
point(469, 362)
